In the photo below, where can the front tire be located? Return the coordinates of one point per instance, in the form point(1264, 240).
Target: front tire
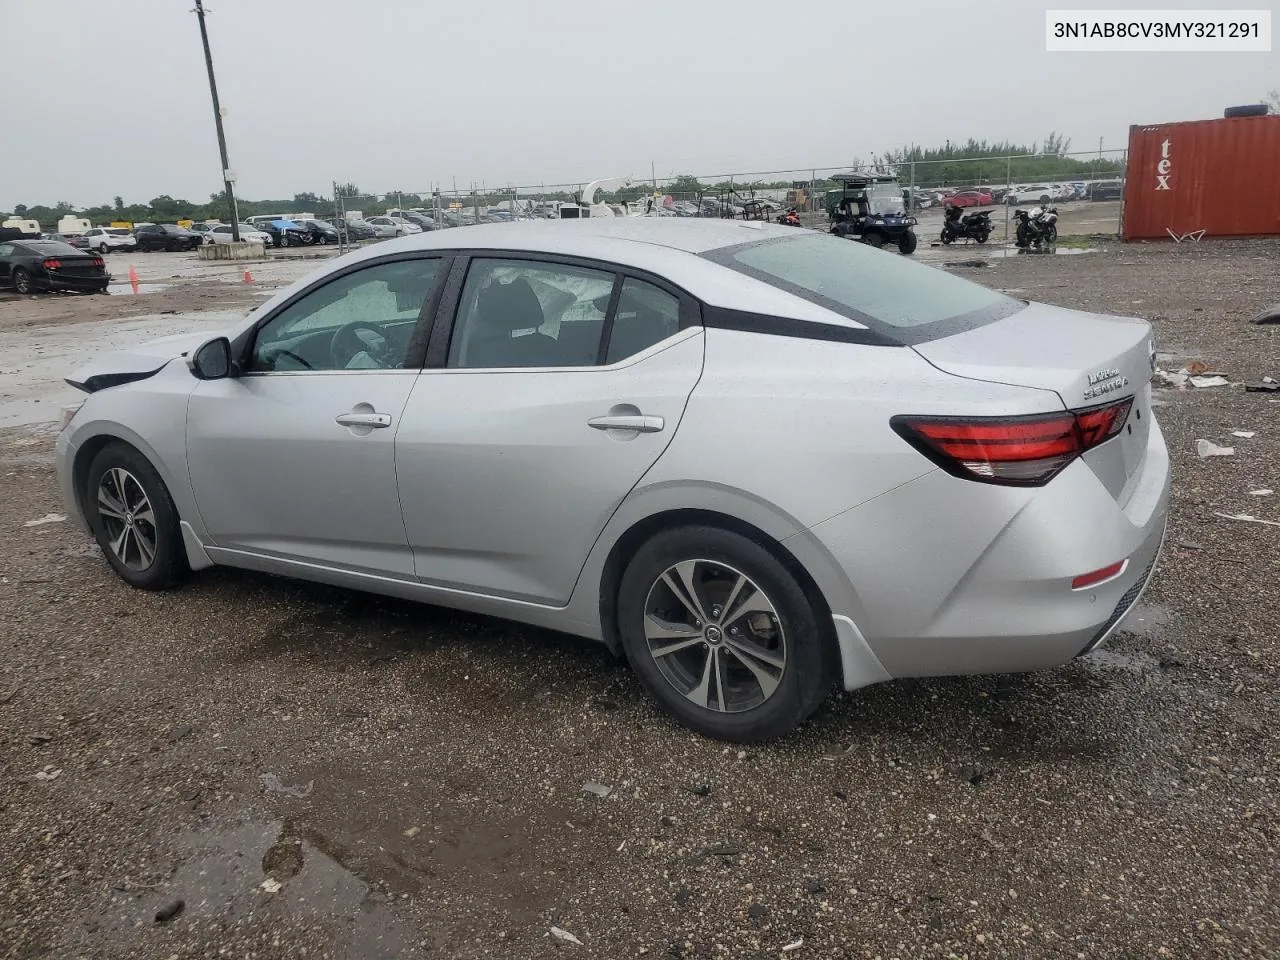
point(945, 237)
point(722, 635)
point(133, 518)
point(907, 243)
point(22, 281)
point(873, 239)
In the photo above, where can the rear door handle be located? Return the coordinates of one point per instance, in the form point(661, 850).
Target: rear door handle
point(637, 422)
point(363, 419)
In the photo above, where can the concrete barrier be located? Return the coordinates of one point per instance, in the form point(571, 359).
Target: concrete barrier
point(231, 251)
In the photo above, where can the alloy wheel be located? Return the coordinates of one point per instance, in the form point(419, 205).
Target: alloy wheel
point(21, 281)
point(127, 518)
point(715, 636)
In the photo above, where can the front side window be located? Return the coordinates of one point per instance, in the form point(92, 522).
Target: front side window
point(520, 313)
point(361, 321)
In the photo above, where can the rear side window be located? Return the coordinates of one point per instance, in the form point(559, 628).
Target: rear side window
point(907, 301)
point(517, 313)
point(645, 316)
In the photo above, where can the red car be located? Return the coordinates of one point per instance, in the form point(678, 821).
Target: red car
point(970, 198)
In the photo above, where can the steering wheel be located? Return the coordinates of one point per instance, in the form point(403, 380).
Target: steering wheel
point(346, 343)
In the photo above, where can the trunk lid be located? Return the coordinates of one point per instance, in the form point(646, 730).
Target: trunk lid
point(1087, 359)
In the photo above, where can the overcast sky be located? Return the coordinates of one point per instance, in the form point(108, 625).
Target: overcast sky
point(111, 98)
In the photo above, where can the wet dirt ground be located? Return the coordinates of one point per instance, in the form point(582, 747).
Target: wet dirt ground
point(253, 767)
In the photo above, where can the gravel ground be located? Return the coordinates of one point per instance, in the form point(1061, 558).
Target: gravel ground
point(315, 773)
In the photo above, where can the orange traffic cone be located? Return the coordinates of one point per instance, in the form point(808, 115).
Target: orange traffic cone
point(133, 277)
point(248, 277)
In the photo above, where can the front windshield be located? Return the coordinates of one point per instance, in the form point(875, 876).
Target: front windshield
point(885, 199)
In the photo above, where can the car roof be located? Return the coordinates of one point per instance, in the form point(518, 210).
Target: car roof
point(665, 246)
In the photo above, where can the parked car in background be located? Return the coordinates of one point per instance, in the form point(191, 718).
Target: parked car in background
point(997, 500)
point(285, 233)
point(71, 240)
point(165, 236)
point(970, 198)
point(107, 239)
point(204, 229)
point(388, 227)
point(1105, 190)
point(353, 231)
point(1033, 193)
point(321, 231)
point(221, 233)
point(30, 266)
point(419, 220)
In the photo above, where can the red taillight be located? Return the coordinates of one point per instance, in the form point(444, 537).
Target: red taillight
point(52, 264)
point(1020, 451)
point(1096, 577)
point(99, 262)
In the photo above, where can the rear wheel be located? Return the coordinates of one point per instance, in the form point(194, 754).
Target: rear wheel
point(284, 240)
point(722, 634)
point(982, 237)
point(133, 518)
point(22, 281)
point(873, 239)
point(1052, 235)
point(945, 236)
point(907, 242)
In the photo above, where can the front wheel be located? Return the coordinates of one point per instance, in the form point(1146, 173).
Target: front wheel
point(284, 240)
point(907, 243)
point(873, 239)
point(22, 281)
point(1052, 235)
point(723, 635)
point(946, 236)
point(133, 518)
point(982, 237)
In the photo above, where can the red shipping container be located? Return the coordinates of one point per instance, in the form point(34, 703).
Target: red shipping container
point(1219, 176)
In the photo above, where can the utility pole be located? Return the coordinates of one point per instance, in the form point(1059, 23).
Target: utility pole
point(228, 178)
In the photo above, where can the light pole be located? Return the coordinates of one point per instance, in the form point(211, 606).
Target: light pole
point(228, 178)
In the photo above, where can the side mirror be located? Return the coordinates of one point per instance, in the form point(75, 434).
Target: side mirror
point(211, 360)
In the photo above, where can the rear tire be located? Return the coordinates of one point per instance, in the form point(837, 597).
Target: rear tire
point(133, 518)
point(873, 239)
point(907, 243)
point(22, 281)
point(982, 237)
point(945, 237)
point(749, 673)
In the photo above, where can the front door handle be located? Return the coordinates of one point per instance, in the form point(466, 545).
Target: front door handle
point(636, 422)
point(363, 419)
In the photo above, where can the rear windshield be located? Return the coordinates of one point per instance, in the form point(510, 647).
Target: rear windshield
point(117, 231)
point(884, 290)
point(49, 248)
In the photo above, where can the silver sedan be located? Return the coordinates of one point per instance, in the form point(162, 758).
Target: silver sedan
point(753, 460)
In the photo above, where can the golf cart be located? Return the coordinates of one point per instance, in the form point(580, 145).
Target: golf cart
point(868, 207)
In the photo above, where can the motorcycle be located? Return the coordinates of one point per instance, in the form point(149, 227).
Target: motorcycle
point(972, 226)
point(1037, 227)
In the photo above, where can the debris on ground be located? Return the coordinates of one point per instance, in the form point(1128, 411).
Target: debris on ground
point(39, 737)
point(1243, 434)
point(271, 885)
point(1247, 518)
point(1209, 380)
point(412, 832)
point(47, 518)
point(1265, 385)
point(565, 935)
point(794, 945)
point(48, 773)
point(1206, 448)
point(1164, 377)
point(699, 790)
point(1269, 315)
point(271, 784)
point(169, 911)
point(597, 788)
point(723, 850)
point(1261, 493)
point(974, 773)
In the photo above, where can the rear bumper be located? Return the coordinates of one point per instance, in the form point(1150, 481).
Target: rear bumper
point(943, 576)
point(72, 283)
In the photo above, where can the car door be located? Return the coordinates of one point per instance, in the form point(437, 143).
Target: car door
point(557, 387)
point(294, 458)
point(7, 251)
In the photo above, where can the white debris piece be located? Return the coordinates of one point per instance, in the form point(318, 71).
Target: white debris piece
point(565, 935)
point(1214, 381)
point(1247, 518)
point(1261, 493)
point(271, 885)
point(1243, 434)
point(1207, 449)
point(47, 518)
point(597, 788)
point(796, 945)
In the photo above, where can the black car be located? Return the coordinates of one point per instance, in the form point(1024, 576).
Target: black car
point(321, 232)
point(294, 234)
point(1105, 189)
point(166, 236)
point(353, 231)
point(80, 243)
point(32, 265)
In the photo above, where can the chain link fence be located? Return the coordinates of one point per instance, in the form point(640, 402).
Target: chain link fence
point(1086, 187)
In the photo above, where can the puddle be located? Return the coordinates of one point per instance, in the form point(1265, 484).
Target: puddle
point(1148, 621)
point(220, 880)
point(126, 289)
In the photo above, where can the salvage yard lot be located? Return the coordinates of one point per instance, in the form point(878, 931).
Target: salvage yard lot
point(307, 768)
